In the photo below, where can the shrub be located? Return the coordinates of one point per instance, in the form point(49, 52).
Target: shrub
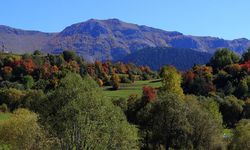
point(3, 108)
point(124, 79)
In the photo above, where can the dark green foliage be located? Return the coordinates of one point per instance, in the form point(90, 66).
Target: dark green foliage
point(7, 84)
point(246, 56)
point(170, 126)
point(206, 121)
point(122, 103)
point(37, 52)
point(155, 58)
point(11, 97)
point(241, 136)
point(3, 108)
point(41, 84)
point(81, 112)
point(242, 89)
point(246, 110)
point(125, 79)
point(28, 82)
point(145, 76)
point(131, 77)
point(69, 55)
point(222, 58)
point(231, 109)
point(33, 100)
point(171, 122)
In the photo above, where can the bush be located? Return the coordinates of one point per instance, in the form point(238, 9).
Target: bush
point(69, 55)
point(3, 108)
point(28, 81)
point(21, 131)
point(11, 97)
point(124, 79)
point(121, 102)
point(145, 76)
point(241, 136)
point(131, 77)
point(115, 81)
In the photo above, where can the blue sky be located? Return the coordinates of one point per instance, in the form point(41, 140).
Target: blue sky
point(227, 19)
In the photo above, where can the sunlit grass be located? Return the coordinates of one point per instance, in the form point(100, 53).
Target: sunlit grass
point(4, 116)
point(127, 89)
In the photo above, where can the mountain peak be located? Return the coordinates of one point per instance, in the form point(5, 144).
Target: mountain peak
point(111, 39)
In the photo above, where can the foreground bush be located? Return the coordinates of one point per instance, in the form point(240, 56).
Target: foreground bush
point(21, 131)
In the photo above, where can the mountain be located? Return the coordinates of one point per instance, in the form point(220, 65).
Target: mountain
point(110, 39)
point(21, 41)
point(114, 39)
point(155, 58)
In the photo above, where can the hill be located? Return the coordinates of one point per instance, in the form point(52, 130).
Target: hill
point(110, 39)
point(113, 39)
point(21, 41)
point(155, 58)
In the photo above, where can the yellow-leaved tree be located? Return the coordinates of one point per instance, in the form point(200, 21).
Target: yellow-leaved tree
point(171, 81)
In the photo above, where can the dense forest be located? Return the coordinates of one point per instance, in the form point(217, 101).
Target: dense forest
point(57, 102)
point(155, 58)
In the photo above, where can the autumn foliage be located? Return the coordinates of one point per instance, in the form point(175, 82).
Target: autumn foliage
point(149, 93)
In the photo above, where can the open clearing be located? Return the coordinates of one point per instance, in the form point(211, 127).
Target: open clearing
point(126, 89)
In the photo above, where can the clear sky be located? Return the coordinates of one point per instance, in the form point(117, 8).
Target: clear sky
point(227, 19)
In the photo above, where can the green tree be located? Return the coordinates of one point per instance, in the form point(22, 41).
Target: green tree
point(84, 119)
point(32, 100)
point(28, 81)
point(223, 57)
point(3, 108)
point(206, 121)
point(131, 77)
point(246, 56)
point(11, 97)
point(241, 136)
point(37, 52)
point(21, 131)
point(69, 55)
point(242, 89)
point(231, 109)
point(164, 123)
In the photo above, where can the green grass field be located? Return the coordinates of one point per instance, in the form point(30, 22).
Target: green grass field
point(126, 89)
point(4, 116)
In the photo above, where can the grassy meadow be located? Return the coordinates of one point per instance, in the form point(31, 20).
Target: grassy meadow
point(126, 89)
point(4, 116)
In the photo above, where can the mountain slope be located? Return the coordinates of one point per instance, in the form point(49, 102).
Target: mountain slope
point(114, 39)
point(110, 39)
point(155, 58)
point(21, 41)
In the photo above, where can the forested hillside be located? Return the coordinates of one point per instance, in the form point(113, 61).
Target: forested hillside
point(58, 102)
point(155, 58)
